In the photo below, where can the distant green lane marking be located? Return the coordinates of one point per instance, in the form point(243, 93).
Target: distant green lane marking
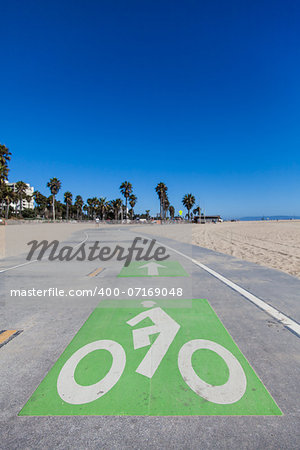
point(163, 393)
point(153, 269)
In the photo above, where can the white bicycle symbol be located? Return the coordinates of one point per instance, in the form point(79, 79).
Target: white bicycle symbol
point(230, 392)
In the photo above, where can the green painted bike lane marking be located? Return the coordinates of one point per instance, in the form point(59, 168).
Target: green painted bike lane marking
point(153, 269)
point(166, 393)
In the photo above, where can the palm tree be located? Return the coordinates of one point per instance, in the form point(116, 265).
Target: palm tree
point(126, 189)
point(78, 204)
point(4, 158)
point(197, 211)
point(8, 196)
point(3, 174)
point(188, 201)
point(41, 202)
point(132, 202)
point(109, 210)
point(161, 190)
point(20, 190)
point(172, 211)
point(2, 196)
point(90, 207)
point(147, 214)
point(87, 210)
point(117, 205)
point(28, 198)
point(54, 184)
point(92, 204)
point(103, 206)
point(68, 196)
point(166, 205)
point(49, 205)
point(60, 207)
point(95, 204)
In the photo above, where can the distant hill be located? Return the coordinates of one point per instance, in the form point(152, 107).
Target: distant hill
point(270, 218)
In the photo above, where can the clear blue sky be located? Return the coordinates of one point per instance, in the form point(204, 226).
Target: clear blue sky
point(202, 95)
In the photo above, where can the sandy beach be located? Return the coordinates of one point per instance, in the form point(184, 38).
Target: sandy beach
point(268, 243)
point(274, 244)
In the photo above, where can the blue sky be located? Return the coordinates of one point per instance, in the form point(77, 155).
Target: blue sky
point(203, 96)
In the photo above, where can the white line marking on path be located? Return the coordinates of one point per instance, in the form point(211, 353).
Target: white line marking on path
point(35, 260)
point(282, 318)
point(84, 240)
point(19, 265)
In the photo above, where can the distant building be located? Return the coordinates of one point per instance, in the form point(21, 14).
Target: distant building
point(25, 204)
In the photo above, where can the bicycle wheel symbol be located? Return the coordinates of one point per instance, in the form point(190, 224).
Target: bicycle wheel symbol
point(230, 392)
point(72, 392)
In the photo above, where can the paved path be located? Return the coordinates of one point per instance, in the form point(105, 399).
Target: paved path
point(166, 411)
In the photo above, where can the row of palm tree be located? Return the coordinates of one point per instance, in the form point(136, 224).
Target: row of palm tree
point(94, 207)
point(101, 207)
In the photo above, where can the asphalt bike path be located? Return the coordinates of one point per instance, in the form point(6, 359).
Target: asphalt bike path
point(134, 367)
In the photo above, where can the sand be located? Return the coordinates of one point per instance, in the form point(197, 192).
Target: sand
point(268, 243)
point(274, 244)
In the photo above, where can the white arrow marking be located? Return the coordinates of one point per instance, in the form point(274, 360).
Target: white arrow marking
point(152, 268)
